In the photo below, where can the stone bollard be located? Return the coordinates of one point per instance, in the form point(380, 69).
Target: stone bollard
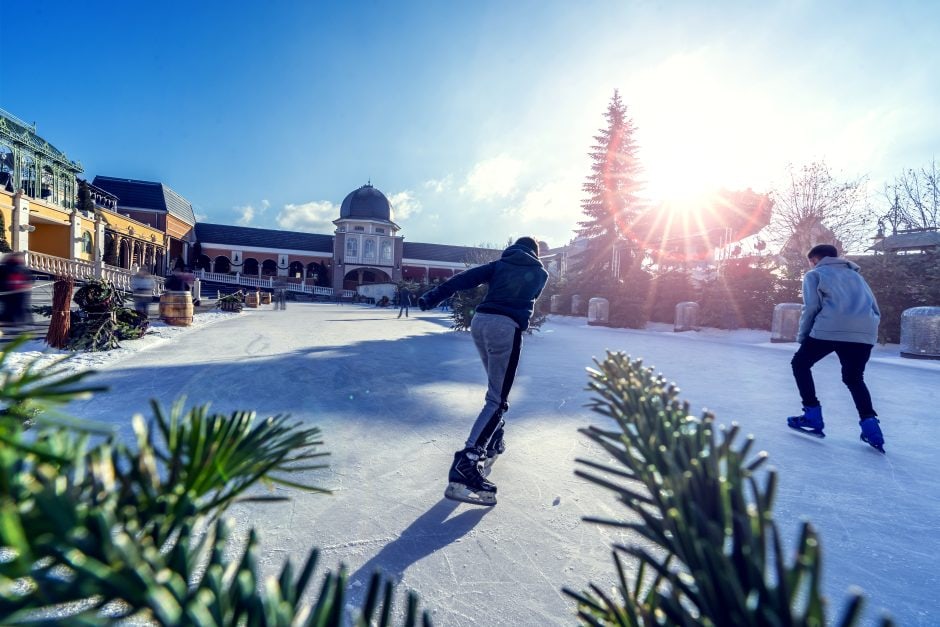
point(686, 317)
point(598, 312)
point(920, 333)
point(576, 305)
point(786, 323)
point(556, 303)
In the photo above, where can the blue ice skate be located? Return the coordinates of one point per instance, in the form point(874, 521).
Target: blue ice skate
point(871, 433)
point(810, 423)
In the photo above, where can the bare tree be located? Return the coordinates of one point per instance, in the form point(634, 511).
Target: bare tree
point(914, 199)
point(813, 208)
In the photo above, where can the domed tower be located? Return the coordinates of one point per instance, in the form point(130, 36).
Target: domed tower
point(367, 247)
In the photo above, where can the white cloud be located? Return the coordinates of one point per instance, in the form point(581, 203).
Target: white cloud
point(493, 178)
point(404, 205)
point(559, 199)
point(440, 185)
point(313, 217)
point(248, 213)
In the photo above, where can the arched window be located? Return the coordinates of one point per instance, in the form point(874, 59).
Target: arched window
point(368, 249)
point(352, 248)
point(6, 168)
point(86, 243)
point(47, 188)
point(387, 251)
point(28, 182)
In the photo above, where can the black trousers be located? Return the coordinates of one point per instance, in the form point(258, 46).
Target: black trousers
point(852, 355)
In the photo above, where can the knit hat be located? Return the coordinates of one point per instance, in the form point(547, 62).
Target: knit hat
point(528, 243)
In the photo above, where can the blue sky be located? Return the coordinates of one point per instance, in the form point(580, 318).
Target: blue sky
point(475, 118)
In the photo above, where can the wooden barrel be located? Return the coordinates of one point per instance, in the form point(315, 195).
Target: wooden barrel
point(251, 299)
point(265, 298)
point(176, 308)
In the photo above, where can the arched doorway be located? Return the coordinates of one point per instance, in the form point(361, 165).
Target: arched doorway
point(364, 276)
point(318, 274)
point(124, 256)
point(223, 265)
point(295, 270)
point(269, 267)
point(250, 266)
point(204, 263)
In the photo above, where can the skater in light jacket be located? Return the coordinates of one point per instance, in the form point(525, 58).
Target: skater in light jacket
point(840, 315)
point(514, 282)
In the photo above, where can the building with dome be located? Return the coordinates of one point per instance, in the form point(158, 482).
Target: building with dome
point(366, 248)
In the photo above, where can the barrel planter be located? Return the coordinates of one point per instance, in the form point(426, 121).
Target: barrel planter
point(686, 317)
point(252, 299)
point(920, 333)
point(176, 308)
point(786, 322)
point(598, 312)
point(577, 305)
point(265, 298)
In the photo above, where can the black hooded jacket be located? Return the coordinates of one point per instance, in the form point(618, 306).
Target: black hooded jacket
point(515, 281)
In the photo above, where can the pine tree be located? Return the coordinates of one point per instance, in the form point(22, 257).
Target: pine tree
point(85, 202)
point(612, 205)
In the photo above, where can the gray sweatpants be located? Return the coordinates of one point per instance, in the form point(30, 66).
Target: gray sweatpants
point(498, 340)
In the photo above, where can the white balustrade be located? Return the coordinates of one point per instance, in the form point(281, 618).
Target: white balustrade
point(81, 270)
point(256, 281)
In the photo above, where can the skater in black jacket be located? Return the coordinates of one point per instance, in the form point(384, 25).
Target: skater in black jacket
point(514, 282)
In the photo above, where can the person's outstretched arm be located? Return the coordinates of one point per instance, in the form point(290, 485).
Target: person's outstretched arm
point(464, 281)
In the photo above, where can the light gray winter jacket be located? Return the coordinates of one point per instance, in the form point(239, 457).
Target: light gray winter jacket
point(838, 304)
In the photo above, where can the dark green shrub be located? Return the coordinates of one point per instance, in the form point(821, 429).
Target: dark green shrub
point(743, 295)
point(668, 290)
point(900, 282)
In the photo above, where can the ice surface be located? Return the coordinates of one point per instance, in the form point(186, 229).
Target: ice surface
point(396, 397)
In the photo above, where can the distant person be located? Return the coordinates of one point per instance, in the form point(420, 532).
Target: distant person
point(142, 286)
point(514, 282)
point(404, 300)
point(840, 315)
point(16, 282)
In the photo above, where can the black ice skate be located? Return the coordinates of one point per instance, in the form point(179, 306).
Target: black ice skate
point(810, 423)
point(494, 449)
point(467, 482)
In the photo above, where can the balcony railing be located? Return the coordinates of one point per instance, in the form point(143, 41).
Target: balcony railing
point(268, 282)
point(81, 270)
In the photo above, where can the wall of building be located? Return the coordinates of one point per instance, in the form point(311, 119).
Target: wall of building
point(50, 239)
point(6, 209)
point(132, 228)
point(47, 211)
point(177, 228)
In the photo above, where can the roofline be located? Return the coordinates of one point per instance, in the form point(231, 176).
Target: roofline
point(261, 249)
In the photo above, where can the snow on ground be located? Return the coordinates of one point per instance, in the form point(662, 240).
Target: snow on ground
point(36, 350)
point(395, 398)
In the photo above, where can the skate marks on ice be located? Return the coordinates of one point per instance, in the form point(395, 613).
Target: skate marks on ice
point(429, 533)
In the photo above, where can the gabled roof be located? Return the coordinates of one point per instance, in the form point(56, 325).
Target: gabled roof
point(133, 194)
point(908, 241)
point(443, 252)
point(236, 236)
